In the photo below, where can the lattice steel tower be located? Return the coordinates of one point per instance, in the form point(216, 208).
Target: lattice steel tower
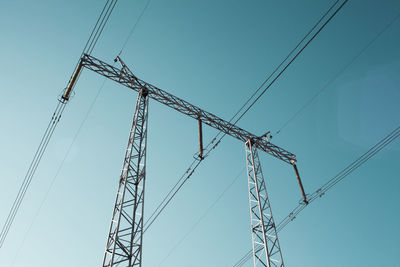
point(124, 244)
point(266, 249)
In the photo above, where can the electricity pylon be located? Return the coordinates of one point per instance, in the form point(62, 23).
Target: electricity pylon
point(124, 245)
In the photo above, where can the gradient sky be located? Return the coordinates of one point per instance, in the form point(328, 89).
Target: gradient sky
point(213, 54)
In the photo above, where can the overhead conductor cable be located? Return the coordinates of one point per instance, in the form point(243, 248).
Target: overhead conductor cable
point(90, 44)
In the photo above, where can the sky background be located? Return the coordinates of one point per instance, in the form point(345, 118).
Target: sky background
point(213, 54)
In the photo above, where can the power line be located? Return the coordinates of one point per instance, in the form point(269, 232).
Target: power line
point(299, 208)
point(341, 175)
point(134, 27)
point(340, 72)
point(87, 48)
point(31, 170)
point(286, 58)
point(60, 167)
point(217, 139)
point(330, 183)
point(200, 219)
point(292, 215)
point(79, 129)
point(99, 26)
point(90, 44)
point(297, 54)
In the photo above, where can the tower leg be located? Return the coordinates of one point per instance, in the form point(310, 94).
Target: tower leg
point(124, 244)
point(266, 249)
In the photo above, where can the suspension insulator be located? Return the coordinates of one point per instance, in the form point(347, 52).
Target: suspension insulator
point(72, 81)
point(200, 139)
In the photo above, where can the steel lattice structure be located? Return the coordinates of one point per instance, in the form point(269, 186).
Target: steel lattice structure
point(266, 249)
point(128, 79)
point(124, 245)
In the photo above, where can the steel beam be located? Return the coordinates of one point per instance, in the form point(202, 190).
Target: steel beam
point(125, 77)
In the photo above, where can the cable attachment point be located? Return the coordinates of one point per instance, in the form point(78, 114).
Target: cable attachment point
point(292, 216)
point(72, 81)
point(267, 136)
point(300, 184)
point(304, 201)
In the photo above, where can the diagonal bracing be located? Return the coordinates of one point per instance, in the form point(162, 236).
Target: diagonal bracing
point(125, 77)
point(124, 244)
point(266, 249)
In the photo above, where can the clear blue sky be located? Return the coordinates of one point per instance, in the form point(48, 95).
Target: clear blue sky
point(213, 54)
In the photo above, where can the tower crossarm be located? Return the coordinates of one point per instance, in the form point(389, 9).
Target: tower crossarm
point(125, 77)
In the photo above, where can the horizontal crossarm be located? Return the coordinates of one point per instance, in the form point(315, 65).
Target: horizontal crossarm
point(125, 77)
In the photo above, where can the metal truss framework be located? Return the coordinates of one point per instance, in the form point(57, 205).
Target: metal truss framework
point(124, 245)
point(125, 77)
point(266, 249)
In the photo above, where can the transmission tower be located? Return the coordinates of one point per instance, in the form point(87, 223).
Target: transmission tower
point(124, 245)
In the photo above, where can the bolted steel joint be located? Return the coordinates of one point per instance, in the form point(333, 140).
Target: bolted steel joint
point(144, 91)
